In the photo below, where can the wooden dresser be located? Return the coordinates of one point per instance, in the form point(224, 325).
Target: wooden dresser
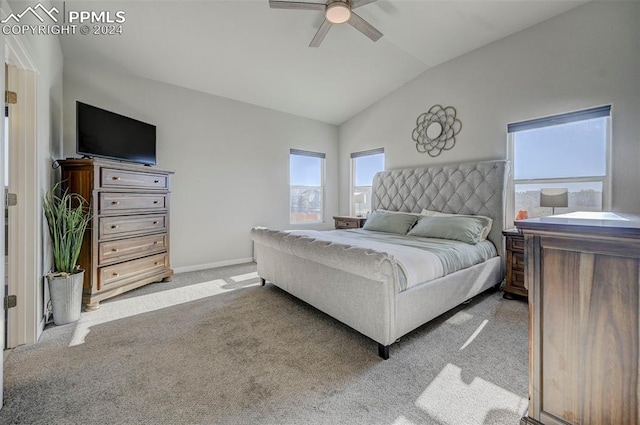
point(514, 277)
point(584, 333)
point(127, 245)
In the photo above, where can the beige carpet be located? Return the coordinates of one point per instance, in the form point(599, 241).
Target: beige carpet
point(214, 347)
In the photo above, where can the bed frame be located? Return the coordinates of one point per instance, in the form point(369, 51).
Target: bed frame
point(359, 287)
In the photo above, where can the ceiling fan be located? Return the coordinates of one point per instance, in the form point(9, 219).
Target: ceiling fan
point(335, 12)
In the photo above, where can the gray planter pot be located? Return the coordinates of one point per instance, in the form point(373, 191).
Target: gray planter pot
point(66, 297)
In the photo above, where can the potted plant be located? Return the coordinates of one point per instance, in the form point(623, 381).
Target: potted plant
point(68, 216)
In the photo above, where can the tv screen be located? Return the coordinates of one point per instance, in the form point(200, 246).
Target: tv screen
point(110, 135)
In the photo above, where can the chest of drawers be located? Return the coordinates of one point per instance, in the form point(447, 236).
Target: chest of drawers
point(127, 245)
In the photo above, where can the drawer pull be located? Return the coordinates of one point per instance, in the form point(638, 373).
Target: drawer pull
point(157, 242)
point(114, 226)
point(156, 181)
point(115, 250)
point(155, 222)
point(115, 178)
point(156, 202)
point(115, 202)
point(157, 263)
point(116, 274)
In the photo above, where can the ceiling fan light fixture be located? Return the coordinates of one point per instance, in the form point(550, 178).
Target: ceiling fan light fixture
point(338, 12)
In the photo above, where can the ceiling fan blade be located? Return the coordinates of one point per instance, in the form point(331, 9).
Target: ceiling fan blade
point(358, 3)
point(364, 27)
point(277, 4)
point(322, 31)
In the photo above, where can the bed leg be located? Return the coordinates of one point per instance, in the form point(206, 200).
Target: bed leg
point(262, 282)
point(383, 351)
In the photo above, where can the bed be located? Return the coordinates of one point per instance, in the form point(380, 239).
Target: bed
point(371, 289)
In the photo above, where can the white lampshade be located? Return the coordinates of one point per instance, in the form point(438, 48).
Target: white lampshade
point(554, 197)
point(359, 198)
point(338, 12)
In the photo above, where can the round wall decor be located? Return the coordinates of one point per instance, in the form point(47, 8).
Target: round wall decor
point(436, 130)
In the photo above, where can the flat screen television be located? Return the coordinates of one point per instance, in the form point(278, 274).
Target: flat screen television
point(109, 135)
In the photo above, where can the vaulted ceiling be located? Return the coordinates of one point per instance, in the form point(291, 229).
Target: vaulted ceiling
point(244, 50)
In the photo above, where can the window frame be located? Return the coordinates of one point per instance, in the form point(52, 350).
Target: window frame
point(322, 156)
point(354, 156)
point(560, 119)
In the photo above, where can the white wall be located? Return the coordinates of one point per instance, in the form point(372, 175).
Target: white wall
point(231, 159)
point(586, 57)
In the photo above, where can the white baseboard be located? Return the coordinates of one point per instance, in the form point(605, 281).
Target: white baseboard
point(217, 264)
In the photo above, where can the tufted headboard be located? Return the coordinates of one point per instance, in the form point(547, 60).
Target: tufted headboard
point(476, 188)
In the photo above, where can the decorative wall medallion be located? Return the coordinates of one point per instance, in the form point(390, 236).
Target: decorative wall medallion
point(436, 130)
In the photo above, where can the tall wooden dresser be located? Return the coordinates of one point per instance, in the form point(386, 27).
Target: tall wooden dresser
point(583, 276)
point(127, 245)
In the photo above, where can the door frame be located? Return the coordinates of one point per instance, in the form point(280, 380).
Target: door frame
point(25, 219)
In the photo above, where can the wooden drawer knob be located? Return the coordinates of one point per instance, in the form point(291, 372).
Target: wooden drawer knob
point(156, 202)
point(115, 202)
point(114, 226)
point(157, 263)
point(115, 178)
point(116, 274)
point(115, 250)
point(156, 181)
point(155, 222)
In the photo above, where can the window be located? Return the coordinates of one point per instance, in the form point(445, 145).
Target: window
point(568, 151)
point(306, 186)
point(364, 165)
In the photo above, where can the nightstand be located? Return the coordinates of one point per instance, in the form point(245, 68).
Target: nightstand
point(346, 222)
point(514, 281)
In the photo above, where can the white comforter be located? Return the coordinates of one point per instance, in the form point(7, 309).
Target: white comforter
point(417, 265)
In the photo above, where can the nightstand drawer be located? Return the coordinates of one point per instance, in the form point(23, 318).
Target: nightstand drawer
point(517, 261)
point(518, 279)
point(515, 243)
point(347, 224)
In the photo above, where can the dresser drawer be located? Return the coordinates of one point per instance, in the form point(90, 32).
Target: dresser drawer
point(122, 273)
point(110, 227)
point(133, 179)
point(126, 249)
point(116, 202)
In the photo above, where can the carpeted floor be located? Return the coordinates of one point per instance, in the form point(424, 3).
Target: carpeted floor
point(213, 347)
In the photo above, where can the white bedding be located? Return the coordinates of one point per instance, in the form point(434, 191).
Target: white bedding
point(418, 259)
point(417, 265)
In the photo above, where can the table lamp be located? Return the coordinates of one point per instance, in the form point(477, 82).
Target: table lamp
point(554, 197)
point(359, 198)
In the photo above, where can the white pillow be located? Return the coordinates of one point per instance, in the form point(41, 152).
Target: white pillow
point(485, 230)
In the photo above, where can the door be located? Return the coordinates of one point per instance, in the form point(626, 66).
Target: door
point(3, 233)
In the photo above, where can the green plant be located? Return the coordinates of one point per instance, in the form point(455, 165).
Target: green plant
point(68, 216)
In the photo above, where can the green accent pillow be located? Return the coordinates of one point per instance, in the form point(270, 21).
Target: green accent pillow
point(459, 228)
point(390, 222)
point(486, 220)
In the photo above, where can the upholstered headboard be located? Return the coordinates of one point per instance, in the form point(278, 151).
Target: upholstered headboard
point(476, 188)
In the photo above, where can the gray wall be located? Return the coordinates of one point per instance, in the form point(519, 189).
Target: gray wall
point(231, 159)
point(586, 57)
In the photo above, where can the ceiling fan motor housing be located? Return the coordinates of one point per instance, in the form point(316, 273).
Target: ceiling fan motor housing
point(338, 11)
